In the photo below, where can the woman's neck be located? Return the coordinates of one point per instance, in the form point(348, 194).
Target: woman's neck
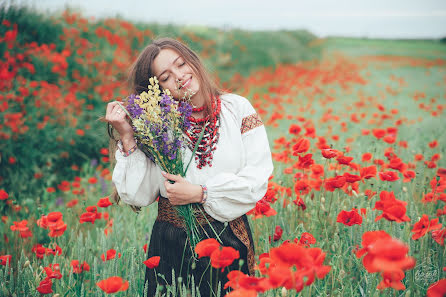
point(198, 100)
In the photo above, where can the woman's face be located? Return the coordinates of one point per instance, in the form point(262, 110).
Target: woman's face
point(174, 73)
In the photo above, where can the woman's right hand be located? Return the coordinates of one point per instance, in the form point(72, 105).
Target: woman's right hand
point(117, 118)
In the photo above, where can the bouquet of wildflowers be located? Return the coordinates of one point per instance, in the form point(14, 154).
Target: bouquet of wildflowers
point(158, 122)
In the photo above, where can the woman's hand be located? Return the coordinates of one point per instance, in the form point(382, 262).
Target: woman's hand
point(181, 192)
point(117, 118)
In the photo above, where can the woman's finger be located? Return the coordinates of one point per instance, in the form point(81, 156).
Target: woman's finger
point(110, 107)
point(172, 177)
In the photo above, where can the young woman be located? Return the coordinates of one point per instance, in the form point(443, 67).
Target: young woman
point(230, 174)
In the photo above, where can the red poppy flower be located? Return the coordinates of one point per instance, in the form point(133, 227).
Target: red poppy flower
point(384, 253)
point(349, 218)
point(306, 239)
point(437, 289)
point(39, 250)
point(277, 233)
point(305, 161)
point(441, 172)
point(3, 194)
point(392, 279)
point(5, 259)
point(205, 247)
point(152, 262)
point(294, 129)
point(423, 226)
point(392, 208)
point(379, 133)
point(22, 228)
point(238, 280)
point(302, 187)
point(113, 284)
point(301, 146)
point(408, 175)
point(111, 254)
point(329, 153)
point(366, 157)
point(72, 203)
point(79, 268)
point(367, 172)
point(104, 151)
point(433, 144)
point(344, 160)
point(104, 202)
point(53, 271)
point(92, 180)
point(334, 183)
point(351, 178)
point(50, 189)
point(220, 258)
point(439, 236)
point(45, 286)
point(389, 176)
point(263, 208)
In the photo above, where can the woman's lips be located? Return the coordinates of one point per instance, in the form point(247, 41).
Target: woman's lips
point(186, 83)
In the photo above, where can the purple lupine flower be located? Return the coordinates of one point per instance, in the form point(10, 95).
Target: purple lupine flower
point(59, 201)
point(94, 162)
point(133, 108)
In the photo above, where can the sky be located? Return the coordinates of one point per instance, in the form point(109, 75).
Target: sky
point(354, 18)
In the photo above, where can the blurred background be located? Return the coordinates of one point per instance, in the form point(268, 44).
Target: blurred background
point(373, 19)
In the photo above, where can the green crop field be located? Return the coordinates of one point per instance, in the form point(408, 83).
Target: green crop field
point(356, 128)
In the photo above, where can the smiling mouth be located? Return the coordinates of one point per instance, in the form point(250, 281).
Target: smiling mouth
point(185, 83)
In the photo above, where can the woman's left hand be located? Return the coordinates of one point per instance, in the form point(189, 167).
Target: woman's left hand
point(181, 192)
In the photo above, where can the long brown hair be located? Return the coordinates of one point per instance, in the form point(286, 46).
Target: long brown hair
point(141, 71)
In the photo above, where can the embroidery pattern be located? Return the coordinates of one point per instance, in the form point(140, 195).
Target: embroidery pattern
point(251, 122)
point(238, 227)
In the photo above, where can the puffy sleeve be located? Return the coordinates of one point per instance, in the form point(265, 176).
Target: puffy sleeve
point(136, 178)
point(231, 195)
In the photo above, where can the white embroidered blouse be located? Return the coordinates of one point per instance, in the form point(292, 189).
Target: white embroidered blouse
point(239, 174)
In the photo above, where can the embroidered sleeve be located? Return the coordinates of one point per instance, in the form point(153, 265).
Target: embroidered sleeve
point(250, 122)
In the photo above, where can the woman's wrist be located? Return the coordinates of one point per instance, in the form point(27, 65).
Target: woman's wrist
point(204, 194)
point(128, 143)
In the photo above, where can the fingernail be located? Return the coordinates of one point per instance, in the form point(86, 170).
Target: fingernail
point(163, 172)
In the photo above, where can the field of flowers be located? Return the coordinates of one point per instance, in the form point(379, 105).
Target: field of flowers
point(356, 204)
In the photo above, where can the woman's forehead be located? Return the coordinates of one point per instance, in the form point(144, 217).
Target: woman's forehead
point(165, 58)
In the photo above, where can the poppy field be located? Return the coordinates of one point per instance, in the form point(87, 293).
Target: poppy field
point(356, 204)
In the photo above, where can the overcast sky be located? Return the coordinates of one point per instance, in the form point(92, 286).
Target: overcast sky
point(373, 18)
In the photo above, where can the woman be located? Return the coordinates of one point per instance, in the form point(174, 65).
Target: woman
point(231, 171)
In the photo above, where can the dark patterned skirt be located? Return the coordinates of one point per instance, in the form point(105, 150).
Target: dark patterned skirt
point(169, 241)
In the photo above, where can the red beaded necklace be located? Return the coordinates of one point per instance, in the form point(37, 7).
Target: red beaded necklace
point(198, 109)
point(210, 137)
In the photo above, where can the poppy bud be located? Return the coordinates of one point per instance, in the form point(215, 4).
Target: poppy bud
point(322, 200)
